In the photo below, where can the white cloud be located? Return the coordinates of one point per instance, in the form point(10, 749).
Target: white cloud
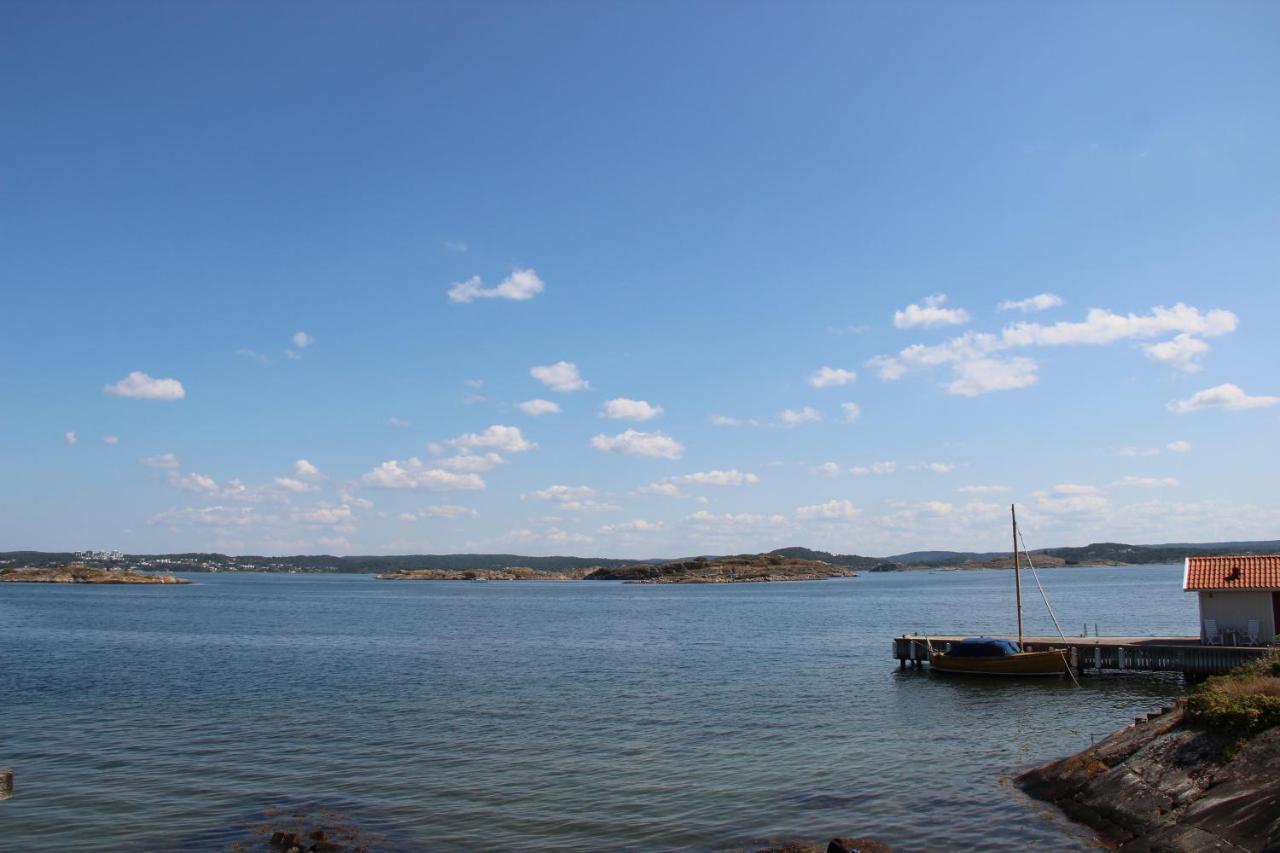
point(139, 386)
point(852, 411)
point(504, 439)
point(323, 515)
point(1131, 481)
point(735, 521)
point(306, 471)
point(1181, 352)
point(572, 498)
point(875, 468)
point(562, 494)
point(450, 511)
point(983, 489)
point(726, 421)
point(1179, 446)
point(301, 340)
point(69, 438)
point(984, 375)
point(935, 467)
point(412, 474)
point(830, 377)
point(552, 536)
point(791, 417)
point(459, 246)
point(478, 462)
point(519, 286)
point(1039, 302)
point(1075, 489)
point(1071, 503)
point(1226, 396)
point(399, 423)
point(163, 460)
point(930, 314)
point(624, 409)
point(639, 525)
point(1138, 451)
point(193, 482)
point(209, 516)
point(289, 484)
point(888, 367)
point(832, 510)
point(662, 488)
point(561, 376)
point(829, 470)
point(978, 367)
point(633, 443)
point(1105, 327)
point(538, 407)
point(446, 511)
point(716, 478)
point(110, 439)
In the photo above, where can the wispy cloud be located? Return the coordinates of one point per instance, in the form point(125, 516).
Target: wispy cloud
point(795, 417)
point(1039, 302)
point(538, 407)
point(1225, 396)
point(521, 285)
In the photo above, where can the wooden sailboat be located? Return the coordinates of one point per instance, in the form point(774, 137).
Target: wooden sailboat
point(991, 656)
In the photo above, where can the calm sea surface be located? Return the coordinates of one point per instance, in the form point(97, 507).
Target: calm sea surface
point(539, 716)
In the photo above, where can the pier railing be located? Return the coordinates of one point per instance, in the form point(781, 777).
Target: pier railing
point(1144, 654)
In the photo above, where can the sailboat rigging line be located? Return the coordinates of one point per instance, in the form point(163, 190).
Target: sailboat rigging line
point(1047, 605)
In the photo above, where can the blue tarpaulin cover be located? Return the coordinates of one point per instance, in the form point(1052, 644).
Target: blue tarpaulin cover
point(983, 647)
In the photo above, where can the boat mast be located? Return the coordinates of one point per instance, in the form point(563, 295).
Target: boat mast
point(1017, 572)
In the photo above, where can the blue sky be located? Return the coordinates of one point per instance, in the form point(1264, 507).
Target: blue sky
point(697, 207)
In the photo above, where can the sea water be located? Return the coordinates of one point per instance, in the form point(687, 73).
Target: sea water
point(549, 715)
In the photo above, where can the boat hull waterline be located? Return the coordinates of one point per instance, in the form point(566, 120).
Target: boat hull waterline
point(1053, 662)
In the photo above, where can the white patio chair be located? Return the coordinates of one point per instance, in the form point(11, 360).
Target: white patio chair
point(1211, 634)
point(1255, 632)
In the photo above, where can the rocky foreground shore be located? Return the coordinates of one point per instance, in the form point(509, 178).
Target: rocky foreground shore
point(1171, 784)
point(84, 574)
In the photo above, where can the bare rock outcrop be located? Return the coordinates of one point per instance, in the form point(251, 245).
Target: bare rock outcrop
point(1163, 785)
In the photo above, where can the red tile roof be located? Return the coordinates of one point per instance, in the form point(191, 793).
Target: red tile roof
point(1251, 572)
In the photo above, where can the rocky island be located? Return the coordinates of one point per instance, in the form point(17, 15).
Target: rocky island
point(754, 568)
point(84, 574)
point(511, 573)
point(1202, 776)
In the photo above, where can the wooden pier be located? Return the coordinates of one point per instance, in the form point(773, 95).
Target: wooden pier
point(1142, 654)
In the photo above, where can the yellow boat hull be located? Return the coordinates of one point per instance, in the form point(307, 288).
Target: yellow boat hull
point(1053, 662)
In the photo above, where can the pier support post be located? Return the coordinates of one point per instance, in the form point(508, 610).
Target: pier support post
point(6, 783)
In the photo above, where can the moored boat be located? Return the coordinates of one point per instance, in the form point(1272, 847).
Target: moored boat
point(991, 656)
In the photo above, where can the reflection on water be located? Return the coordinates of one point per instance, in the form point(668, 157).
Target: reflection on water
point(536, 716)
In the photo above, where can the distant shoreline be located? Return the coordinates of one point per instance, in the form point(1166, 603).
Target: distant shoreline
point(1097, 554)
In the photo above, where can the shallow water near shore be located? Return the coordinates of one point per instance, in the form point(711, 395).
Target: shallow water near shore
point(543, 715)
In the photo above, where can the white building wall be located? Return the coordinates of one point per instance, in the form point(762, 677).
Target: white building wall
point(1234, 608)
